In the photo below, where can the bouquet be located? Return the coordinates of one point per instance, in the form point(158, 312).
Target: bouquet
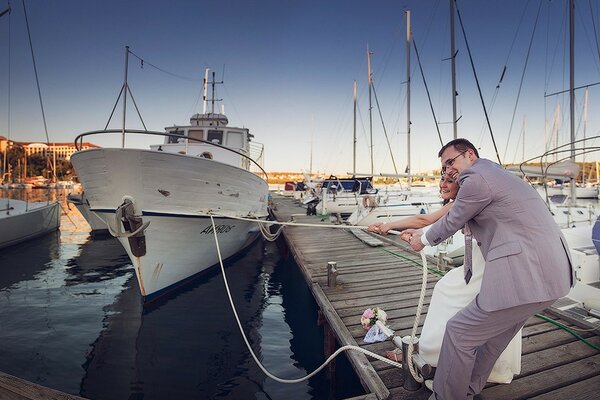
point(371, 316)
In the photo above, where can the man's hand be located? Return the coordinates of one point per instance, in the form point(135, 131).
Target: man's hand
point(413, 237)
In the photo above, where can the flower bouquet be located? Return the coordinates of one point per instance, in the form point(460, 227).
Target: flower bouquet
point(369, 322)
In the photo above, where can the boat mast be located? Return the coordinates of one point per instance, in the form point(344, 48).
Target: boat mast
point(370, 106)
point(585, 117)
point(408, 39)
point(354, 135)
point(125, 88)
point(453, 63)
point(571, 87)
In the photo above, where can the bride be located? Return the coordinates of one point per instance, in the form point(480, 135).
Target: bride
point(451, 293)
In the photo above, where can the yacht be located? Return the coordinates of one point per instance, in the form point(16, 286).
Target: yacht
point(161, 202)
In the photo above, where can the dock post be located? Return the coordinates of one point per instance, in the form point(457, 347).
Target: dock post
point(442, 261)
point(410, 383)
point(331, 273)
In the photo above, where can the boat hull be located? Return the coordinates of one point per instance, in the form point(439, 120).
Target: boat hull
point(28, 221)
point(97, 225)
point(180, 247)
point(174, 195)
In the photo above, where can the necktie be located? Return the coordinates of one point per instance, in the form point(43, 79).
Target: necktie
point(468, 264)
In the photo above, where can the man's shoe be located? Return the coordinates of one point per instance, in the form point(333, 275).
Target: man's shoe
point(429, 384)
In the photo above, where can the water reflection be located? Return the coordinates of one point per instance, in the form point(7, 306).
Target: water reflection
point(72, 319)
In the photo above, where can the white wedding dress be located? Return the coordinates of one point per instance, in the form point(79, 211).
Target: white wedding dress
point(450, 295)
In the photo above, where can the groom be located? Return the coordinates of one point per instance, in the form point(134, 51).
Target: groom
point(527, 266)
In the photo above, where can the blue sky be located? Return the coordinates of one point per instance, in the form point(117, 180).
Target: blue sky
point(289, 69)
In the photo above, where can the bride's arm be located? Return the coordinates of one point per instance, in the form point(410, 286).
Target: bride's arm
point(414, 222)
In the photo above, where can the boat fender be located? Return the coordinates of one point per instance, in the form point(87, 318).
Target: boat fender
point(130, 216)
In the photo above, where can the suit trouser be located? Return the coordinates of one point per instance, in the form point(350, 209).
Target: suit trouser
point(473, 341)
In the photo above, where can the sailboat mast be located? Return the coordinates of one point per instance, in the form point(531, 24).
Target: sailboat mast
point(125, 88)
point(572, 87)
point(408, 39)
point(354, 134)
point(585, 117)
point(370, 106)
point(453, 63)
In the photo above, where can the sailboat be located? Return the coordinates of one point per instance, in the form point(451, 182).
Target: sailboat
point(24, 220)
point(161, 202)
point(392, 205)
point(582, 304)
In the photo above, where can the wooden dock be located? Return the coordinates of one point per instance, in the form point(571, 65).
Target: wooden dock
point(13, 388)
point(555, 364)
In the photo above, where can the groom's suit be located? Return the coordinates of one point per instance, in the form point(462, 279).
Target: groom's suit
point(527, 268)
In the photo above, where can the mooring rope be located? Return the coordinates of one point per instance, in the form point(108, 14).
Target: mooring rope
point(409, 355)
point(270, 375)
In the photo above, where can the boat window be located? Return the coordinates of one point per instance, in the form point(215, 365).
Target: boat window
point(175, 139)
point(235, 139)
point(206, 154)
point(215, 137)
point(195, 134)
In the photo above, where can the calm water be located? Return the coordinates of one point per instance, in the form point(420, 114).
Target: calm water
point(71, 319)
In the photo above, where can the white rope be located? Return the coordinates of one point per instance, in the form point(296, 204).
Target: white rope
point(276, 378)
point(413, 335)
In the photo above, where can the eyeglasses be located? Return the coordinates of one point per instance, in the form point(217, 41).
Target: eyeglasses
point(450, 162)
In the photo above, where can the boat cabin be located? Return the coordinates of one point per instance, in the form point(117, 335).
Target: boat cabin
point(206, 137)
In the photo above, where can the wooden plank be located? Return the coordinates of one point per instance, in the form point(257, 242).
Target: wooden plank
point(586, 389)
point(13, 388)
point(546, 381)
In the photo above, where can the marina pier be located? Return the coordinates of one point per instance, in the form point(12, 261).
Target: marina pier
point(555, 363)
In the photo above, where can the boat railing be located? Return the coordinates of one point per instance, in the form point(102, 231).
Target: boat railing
point(558, 152)
point(79, 141)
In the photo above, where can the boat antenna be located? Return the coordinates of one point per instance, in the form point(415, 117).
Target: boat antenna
point(213, 99)
point(205, 90)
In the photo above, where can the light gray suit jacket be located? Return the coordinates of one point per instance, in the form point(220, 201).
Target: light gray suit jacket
point(527, 258)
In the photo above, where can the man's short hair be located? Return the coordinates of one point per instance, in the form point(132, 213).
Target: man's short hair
point(460, 145)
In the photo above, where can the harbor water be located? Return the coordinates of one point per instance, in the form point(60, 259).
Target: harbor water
point(72, 320)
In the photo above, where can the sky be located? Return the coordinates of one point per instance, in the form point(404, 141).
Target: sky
point(288, 69)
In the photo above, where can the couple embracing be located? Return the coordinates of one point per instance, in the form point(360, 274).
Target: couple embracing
point(527, 268)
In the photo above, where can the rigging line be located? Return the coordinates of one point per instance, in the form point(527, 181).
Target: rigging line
point(575, 88)
point(385, 131)
point(185, 78)
point(437, 127)
point(477, 81)
point(595, 31)
point(587, 34)
point(512, 121)
point(136, 108)
point(114, 107)
point(37, 81)
point(5, 11)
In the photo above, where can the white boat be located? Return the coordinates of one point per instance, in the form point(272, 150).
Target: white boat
point(158, 202)
point(97, 225)
point(586, 264)
point(22, 220)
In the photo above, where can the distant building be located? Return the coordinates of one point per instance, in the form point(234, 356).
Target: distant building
point(63, 151)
